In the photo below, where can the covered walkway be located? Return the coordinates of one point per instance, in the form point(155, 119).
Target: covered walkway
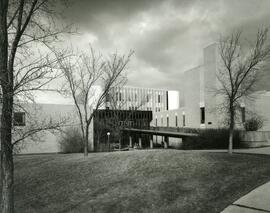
point(158, 132)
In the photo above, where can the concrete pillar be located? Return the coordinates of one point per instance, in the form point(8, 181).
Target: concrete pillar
point(151, 143)
point(165, 145)
point(140, 142)
point(120, 145)
point(130, 141)
point(166, 142)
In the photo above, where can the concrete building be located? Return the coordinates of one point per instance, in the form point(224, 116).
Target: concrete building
point(199, 104)
point(49, 106)
point(146, 99)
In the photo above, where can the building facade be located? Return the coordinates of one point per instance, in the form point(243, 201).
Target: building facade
point(108, 126)
point(146, 99)
point(199, 104)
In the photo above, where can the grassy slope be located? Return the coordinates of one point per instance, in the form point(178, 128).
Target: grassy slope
point(139, 181)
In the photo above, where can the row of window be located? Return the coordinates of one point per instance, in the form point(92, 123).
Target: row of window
point(119, 97)
point(176, 120)
point(202, 115)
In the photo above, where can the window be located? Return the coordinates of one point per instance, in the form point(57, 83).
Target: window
point(168, 121)
point(156, 121)
point(243, 113)
point(107, 98)
point(202, 115)
point(184, 120)
point(147, 98)
point(19, 119)
point(176, 121)
point(120, 96)
point(161, 121)
point(159, 98)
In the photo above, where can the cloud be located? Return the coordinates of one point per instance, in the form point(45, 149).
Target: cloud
point(168, 37)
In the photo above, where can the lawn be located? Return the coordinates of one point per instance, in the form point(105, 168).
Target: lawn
point(136, 181)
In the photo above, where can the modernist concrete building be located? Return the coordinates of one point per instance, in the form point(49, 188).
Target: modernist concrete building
point(139, 102)
point(146, 99)
point(48, 106)
point(199, 104)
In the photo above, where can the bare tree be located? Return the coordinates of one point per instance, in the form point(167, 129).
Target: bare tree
point(23, 24)
point(82, 75)
point(238, 72)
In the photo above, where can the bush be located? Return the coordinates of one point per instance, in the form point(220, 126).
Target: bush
point(211, 139)
point(71, 141)
point(253, 124)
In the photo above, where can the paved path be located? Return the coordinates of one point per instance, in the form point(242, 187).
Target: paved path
point(258, 200)
point(263, 150)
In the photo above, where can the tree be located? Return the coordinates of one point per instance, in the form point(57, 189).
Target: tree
point(238, 72)
point(82, 74)
point(23, 24)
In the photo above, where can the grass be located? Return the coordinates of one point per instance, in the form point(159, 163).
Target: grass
point(136, 181)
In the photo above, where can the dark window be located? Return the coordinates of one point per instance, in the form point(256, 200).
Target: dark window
point(120, 96)
point(108, 98)
point(176, 121)
point(147, 98)
point(159, 98)
point(243, 112)
point(202, 115)
point(167, 121)
point(184, 120)
point(19, 119)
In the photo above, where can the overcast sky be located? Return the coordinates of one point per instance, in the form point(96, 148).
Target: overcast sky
point(167, 36)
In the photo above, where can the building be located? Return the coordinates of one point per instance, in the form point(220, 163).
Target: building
point(48, 106)
point(199, 105)
point(146, 99)
point(133, 106)
point(108, 126)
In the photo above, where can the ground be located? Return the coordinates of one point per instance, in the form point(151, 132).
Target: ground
point(136, 181)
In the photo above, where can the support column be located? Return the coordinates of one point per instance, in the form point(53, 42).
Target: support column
point(151, 143)
point(120, 145)
point(166, 142)
point(130, 141)
point(140, 142)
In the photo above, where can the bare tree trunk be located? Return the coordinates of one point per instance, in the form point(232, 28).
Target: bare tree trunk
point(231, 131)
point(85, 149)
point(7, 167)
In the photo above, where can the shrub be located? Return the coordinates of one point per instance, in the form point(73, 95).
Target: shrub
point(211, 139)
point(71, 141)
point(253, 124)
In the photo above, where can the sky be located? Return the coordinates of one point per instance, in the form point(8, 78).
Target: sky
point(167, 36)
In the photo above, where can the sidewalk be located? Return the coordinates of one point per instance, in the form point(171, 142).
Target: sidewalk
point(262, 150)
point(258, 200)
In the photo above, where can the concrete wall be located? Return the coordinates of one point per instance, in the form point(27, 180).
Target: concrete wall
point(259, 104)
point(198, 89)
point(191, 91)
point(46, 142)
